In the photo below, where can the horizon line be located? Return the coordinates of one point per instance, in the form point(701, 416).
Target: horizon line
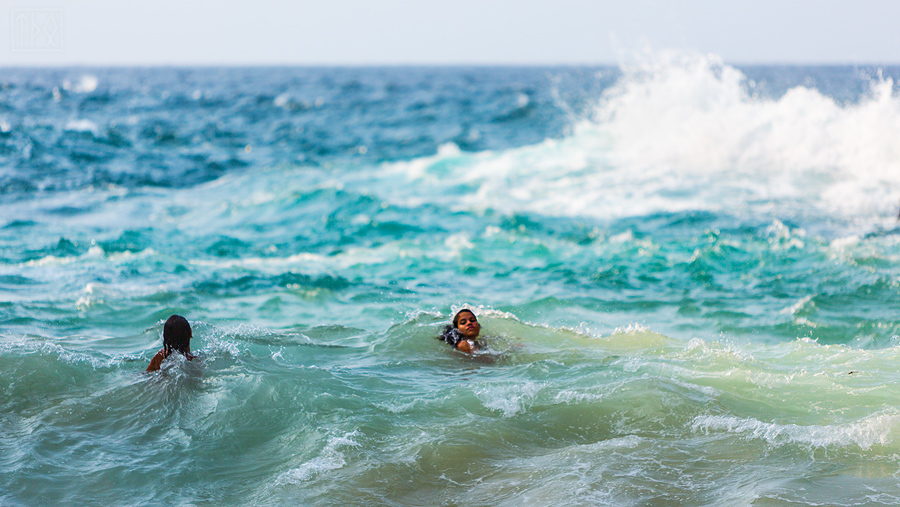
point(54, 65)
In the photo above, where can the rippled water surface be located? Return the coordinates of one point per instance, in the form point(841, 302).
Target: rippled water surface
point(686, 275)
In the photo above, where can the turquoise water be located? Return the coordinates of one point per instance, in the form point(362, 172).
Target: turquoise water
point(687, 275)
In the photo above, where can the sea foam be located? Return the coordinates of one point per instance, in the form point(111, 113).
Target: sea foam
point(876, 429)
point(681, 131)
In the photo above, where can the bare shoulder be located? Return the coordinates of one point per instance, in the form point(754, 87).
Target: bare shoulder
point(157, 360)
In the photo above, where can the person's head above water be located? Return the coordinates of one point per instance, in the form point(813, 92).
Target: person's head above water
point(177, 334)
point(467, 324)
point(176, 337)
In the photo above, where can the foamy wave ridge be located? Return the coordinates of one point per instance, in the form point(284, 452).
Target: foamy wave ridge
point(680, 132)
point(869, 431)
point(330, 459)
point(678, 115)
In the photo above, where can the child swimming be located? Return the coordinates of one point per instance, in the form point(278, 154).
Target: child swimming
point(176, 336)
point(464, 331)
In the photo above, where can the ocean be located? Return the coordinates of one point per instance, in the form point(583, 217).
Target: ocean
point(687, 275)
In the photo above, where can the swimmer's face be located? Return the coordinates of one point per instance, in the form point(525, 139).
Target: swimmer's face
point(468, 325)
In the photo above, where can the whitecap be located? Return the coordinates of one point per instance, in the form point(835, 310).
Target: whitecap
point(871, 430)
point(330, 458)
point(82, 126)
point(510, 399)
point(86, 84)
point(682, 132)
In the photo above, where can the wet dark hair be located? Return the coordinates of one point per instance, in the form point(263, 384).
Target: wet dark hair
point(456, 317)
point(177, 334)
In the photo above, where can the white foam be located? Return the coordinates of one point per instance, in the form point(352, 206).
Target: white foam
point(509, 399)
point(331, 458)
point(26, 344)
point(275, 262)
point(456, 243)
point(482, 311)
point(680, 116)
point(282, 100)
point(86, 84)
point(88, 299)
point(874, 429)
point(49, 260)
point(82, 126)
point(95, 253)
point(631, 329)
point(678, 132)
point(804, 305)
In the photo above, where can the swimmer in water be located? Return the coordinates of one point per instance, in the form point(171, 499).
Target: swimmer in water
point(463, 333)
point(176, 336)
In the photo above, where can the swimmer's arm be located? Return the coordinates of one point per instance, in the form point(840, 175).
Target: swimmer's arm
point(157, 360)
point(466, 346)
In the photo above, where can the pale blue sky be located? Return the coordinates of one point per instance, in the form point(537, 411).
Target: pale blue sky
point(353, 32)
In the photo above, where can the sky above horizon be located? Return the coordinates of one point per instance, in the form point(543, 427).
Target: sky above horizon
point(408, 32)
